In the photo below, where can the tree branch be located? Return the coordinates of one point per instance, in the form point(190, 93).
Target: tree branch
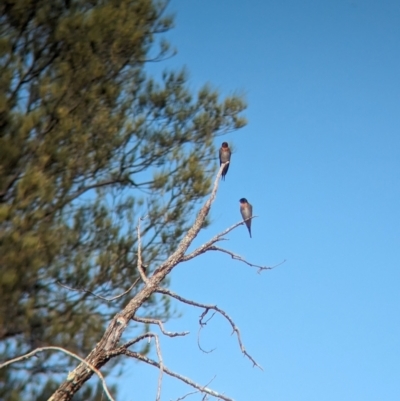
point(184, 379)
point(219, 237)
point(207, 308)
point(37, 350)
point(103, 350)
point(160, 325)
point(139, 254)
point(99, 296)
point(198, 336)
point(178, 255)
point(161, 367)
point(194, 392)
point(239, 258)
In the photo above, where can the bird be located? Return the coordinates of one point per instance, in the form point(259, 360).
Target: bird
point(247, 211)
point(224, 156)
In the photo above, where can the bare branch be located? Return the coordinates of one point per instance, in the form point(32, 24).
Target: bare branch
point(207, 309)
point(178, 255)
point(160, 325)
point(169, 372)
point(99, 296)
point(161, 367)
point(139, 262)
point(219, 237)
point(237, 257)
point(107, 347)
point(195, 392)
point(53, 348)
point(120, 350)
point(202, 324)
point(186, 395)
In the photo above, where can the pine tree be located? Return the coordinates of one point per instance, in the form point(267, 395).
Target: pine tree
point(88, 144)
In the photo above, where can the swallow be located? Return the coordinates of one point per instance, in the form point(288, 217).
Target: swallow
point(247, 211)
point(224, 156)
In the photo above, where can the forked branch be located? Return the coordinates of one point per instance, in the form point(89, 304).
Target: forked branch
point(207, 308)
point(103, 350)
point(240, 259)
point(54, 348)
point(169, 372)
point(219, 237)
point(99, 296)
point(159, 323)
point(109, 345)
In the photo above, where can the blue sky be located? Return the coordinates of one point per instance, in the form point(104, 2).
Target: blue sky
point(320, 162)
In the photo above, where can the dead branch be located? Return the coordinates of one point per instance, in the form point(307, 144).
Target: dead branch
point(178, 255)
point(237, 257)
point(219, 237)
point(207, 309)
point(123, 350)
point(99, 296)
point(149, 335)
point(54, 348)
point(202, 324)
point(169, 372)
point(159, 323)
point(161, 367)
point(139, 254)
point(195, 392)
point(103, 351)
point(119, 350)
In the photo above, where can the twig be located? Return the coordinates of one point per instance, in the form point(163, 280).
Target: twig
point(195, 392)
point(186, 395)
point(202, 324)
point(122, 350)
point(179, 254)
point(184, 379)
point(207, 309)
point(205, 247)
point(40, 349)
point(160, 325)
point(161, 367)
point(128, 344)
point(139, 253)
point(99, 296)
point(237, 257)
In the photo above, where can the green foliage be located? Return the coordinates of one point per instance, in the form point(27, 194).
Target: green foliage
point(88, 144)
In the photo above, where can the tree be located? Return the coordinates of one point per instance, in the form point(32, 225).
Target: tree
point(110, 346)
point(88, 143)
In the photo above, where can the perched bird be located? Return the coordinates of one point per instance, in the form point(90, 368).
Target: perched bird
point(247, 211)
point(224, 156)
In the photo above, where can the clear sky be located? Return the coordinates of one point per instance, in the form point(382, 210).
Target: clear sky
point(320, 163)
